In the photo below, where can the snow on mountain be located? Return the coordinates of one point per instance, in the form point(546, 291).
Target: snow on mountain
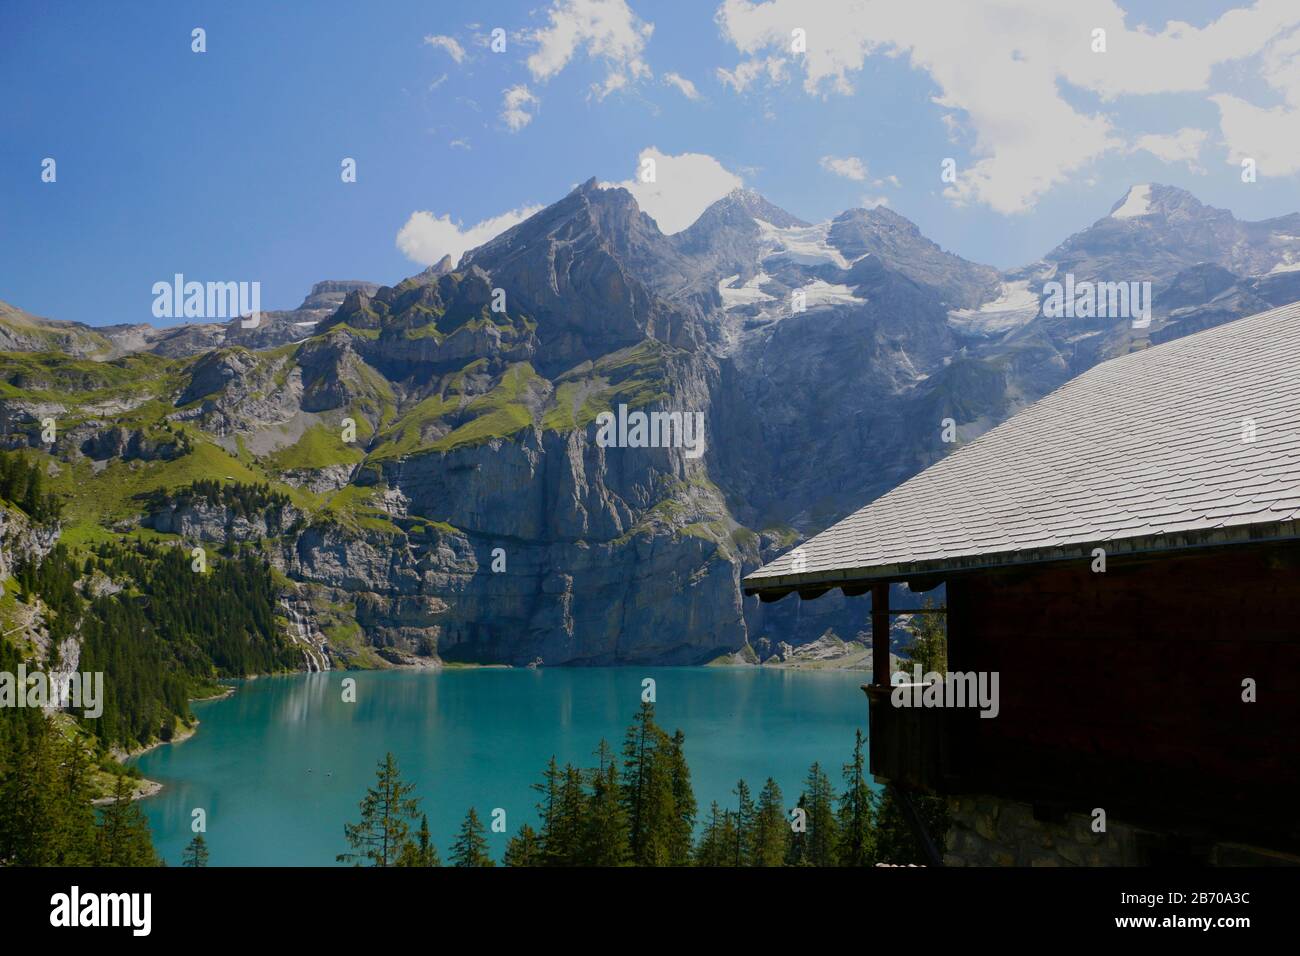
point(747, 293)
point(1015, 305)
point(1137, 202)
point(822, 294)
point(804, 245)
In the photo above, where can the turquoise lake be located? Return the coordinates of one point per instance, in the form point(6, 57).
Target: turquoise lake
point(281, 765)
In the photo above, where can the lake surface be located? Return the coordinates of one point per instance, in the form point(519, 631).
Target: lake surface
point(281, 765)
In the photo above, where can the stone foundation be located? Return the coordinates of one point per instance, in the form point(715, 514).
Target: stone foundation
point(990, 831)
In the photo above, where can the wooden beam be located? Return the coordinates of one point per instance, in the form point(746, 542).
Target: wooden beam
point(812, 594)
point(923, 584)
point(880, 635)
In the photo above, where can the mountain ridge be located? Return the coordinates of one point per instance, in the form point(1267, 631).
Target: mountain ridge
point(448, 495)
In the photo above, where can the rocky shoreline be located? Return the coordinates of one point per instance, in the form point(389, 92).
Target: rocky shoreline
point(148, 788)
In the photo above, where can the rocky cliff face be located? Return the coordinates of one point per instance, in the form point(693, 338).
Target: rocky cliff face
point(21, 540)
point(24, 541)
point(447, 486)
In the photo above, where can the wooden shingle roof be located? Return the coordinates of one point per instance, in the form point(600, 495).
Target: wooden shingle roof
point(1146, 452)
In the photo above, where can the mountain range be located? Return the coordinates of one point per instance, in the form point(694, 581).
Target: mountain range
point(433, 446)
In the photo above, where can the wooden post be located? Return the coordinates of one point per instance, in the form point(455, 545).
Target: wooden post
point(880, 635)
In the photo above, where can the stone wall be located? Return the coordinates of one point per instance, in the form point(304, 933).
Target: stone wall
point(990, 831)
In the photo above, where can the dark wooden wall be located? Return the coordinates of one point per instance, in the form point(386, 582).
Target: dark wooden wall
point(1123, 689)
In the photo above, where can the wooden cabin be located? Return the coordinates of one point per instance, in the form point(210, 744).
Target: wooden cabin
point(1125, 555)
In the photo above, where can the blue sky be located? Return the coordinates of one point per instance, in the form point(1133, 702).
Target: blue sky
point(225, 165)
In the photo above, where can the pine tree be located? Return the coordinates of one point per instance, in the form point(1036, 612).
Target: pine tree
point(46, 816)
point(567, 842)
point(893, 834)
point(75, 812)
point(524, 848)
point(28, 806)
point(771, 827)
point(471, 846)
point(660, 821)
point(422, 852)
point(605, 836)
point(797, 849)
point(638, 751)
point(682, 832)
point(196, 853)
point(715, 848)
point(823, 830)
point(387, 810)
point(650, 772)
point(929, 646)
point(895, 841)
point(34, 496)
point(548, 806)
point(743, 848)
point(856, 817)
point(123, 837)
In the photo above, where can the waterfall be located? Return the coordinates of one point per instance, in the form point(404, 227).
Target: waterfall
point(301, 634)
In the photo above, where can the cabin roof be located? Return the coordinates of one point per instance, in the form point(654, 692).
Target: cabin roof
point(1145, 452)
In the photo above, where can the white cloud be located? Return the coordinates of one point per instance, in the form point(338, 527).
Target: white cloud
point(450, 44)
point(1268, 135)
point(1183, 146)
point(746, 73)
point(1000, 67)
point(613, 82)
point(871, 202)
point(459, 144)
point(606, 30)
point(518, 107)
point(685, 185)
point(850, 167)
point(685, 86)
point(426, 238)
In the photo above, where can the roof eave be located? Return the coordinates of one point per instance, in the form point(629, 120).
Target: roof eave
point(813, 584)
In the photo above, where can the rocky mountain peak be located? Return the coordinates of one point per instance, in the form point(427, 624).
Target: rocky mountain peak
point(726, 239)
point(752, 204)
point(1155, 231)
point(442, 267)
point(881, 224)
point(590, 213)
point(899, 244)
point(330, 293)
point(1145, 200)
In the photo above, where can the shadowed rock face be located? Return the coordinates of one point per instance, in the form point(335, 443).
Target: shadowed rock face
point(897, 243)
point(476, 516)
point(590, 270)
